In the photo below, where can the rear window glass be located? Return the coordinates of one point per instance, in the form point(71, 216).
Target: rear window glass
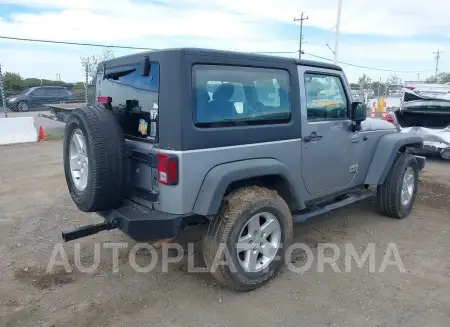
point(134, 98)
point(232, 96)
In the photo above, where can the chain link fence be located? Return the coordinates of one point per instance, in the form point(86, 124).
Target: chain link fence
point(31, 93)
point(37, 96)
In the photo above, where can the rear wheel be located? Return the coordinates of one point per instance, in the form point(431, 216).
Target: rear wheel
point(23, 106)
point(396, 196)
point(251, 233)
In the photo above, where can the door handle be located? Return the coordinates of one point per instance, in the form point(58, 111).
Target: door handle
point(312, 137)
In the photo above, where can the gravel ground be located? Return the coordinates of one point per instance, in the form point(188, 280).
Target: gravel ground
point(35, 206)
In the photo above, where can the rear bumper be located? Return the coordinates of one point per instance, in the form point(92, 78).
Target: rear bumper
point(143, 224)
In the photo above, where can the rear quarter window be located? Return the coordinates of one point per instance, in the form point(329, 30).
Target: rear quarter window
point(232, 96)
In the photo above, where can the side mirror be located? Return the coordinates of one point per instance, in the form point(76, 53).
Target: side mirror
point(358, 112)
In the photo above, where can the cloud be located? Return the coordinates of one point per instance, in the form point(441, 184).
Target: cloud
point(225, 24)
point(382, 17)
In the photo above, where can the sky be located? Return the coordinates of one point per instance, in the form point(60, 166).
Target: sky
point(399, 36)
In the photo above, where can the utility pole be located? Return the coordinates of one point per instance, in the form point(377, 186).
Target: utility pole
point(338, 24)
point(418, 76)
point(301, 19)
point(438, 56)
point(379, 85)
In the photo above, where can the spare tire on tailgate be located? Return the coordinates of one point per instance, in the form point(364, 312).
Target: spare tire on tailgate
point(94, 159)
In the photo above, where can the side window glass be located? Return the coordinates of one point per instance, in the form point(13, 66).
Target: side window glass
point(268, 92)
point(38, 92)
point(325, 97)
point(235, 96)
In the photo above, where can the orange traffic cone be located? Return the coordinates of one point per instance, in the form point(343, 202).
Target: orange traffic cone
point(372, 113)
point(41, 136)
point(384, 113)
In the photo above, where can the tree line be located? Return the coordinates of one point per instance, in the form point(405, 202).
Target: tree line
point(14, 82)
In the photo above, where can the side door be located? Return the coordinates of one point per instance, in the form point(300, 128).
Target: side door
point(37, 97)
point(51, 96)
point(329, 147)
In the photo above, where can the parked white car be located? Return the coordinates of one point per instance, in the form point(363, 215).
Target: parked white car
point(425, 111)
point(429, 91)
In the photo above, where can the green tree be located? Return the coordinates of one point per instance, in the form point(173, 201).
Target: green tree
point(430, 80)
point(442, 78)
point(393, 79)
point(12, 82)
point(364, 81)
point(90, 63)
point(378, 88)
point(27, 82)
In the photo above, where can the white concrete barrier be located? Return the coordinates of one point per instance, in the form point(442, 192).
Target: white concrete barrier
point(17, 130)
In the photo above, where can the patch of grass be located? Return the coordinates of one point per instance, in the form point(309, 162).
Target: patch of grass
point(54, 137)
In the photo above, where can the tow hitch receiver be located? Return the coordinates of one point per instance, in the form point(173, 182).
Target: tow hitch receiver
point(87, 230)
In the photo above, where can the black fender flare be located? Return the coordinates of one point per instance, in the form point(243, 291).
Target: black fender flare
point(220, 177)
point(386, 151)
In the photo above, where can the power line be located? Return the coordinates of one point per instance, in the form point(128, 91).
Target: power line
point(155, 49)
point(76, 43)
point(371, 68)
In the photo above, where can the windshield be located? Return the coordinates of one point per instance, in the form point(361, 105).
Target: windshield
point(26, 91)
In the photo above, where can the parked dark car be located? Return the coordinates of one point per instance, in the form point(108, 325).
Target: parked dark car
point(37, 97)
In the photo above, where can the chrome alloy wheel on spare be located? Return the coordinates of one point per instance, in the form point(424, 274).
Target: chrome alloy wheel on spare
point(259, 241)
point(79, 161)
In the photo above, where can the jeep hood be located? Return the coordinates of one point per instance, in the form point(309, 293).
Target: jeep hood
point(372, 124)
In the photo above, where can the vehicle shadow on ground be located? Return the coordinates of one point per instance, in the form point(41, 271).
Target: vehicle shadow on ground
point(331, 228)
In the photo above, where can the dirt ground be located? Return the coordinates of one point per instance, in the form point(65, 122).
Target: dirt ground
point(35, 206)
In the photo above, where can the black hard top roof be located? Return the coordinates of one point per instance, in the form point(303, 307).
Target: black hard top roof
point(211, 52)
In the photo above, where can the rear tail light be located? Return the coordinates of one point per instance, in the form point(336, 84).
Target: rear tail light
point(410, 87)
point(390, 118)
point(103, 100)
point(167, 169)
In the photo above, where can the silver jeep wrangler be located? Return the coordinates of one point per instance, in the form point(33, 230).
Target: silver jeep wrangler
point(245, 143)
